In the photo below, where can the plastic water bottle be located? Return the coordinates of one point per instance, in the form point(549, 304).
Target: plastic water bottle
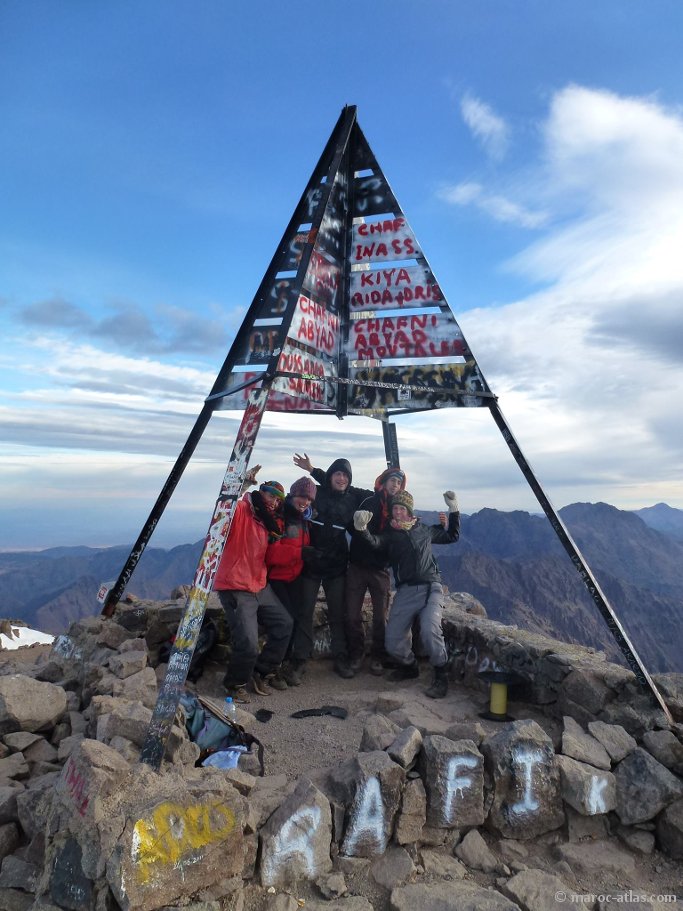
point(230, 708)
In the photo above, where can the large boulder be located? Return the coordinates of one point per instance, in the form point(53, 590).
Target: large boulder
point(295, 842)
point(644, 787)
point(588, 790)
point(526, 801)
point(369, 787)
point(454, 779)
point(29, 705)
point(670, 830)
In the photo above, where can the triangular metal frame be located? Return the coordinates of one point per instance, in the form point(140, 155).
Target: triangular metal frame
point(348, 319)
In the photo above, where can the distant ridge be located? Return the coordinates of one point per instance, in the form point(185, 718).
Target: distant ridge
point(664, 518)
point(512, 561)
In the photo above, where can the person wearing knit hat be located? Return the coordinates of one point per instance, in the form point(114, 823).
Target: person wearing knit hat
point(285, 562)
point(304, 487)
point(247, 598)
point(274, 489)
point(407, 545)
point(327, 558)
point(369, 572)
point(403, 498)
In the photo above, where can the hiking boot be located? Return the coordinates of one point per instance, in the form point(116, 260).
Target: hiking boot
point(260, 684)
point(277, 680)
point(376, 667)
point(238, 691)
point(439, 686)
point(355, 664)
point(342, 668)
point(293, 671)
point(405, 672)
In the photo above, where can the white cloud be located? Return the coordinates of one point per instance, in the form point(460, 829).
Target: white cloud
point(589, 369)
point(499, 207)
point(487, 127)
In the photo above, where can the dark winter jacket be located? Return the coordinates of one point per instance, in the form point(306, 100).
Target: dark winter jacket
point(379, 504)
point(410, 552)
point(330, 551)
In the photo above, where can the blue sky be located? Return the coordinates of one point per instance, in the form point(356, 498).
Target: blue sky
point(152, 153)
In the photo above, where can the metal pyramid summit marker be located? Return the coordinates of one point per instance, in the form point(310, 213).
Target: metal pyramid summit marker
point(348, 319)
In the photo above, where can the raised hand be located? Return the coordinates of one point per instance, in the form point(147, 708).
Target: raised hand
point(451, 501)
point(250, 477)
point(361, 519)
point(302, 461)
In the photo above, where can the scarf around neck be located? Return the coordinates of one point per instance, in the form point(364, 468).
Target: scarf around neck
point(404, 526)
point(273, 522)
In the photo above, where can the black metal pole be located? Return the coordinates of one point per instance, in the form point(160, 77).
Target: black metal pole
point(390, 444)
point(580, 564)
point(114, 594)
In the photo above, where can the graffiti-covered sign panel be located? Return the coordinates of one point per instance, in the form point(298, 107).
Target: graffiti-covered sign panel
point(395, 389)
point(372, 196)
point(323, 280)
point(315, 326)
point(331, 235)
point(262, 342)
point(305, 365)
point(392, 287)
point(385, 240)
point(423, 335)
point(294, 250)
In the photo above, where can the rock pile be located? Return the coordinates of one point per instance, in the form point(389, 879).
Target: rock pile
point(426, 815)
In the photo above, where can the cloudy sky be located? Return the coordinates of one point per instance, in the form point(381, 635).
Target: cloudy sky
point(152, 154)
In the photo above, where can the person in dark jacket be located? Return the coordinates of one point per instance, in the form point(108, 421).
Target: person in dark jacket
point(326, 562)
point(285, 563)
point(408, 545)
point(368, 571)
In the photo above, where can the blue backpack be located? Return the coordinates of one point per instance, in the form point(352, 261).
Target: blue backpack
point(212, 734)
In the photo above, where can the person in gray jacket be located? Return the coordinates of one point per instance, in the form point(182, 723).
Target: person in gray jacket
point(419, 593)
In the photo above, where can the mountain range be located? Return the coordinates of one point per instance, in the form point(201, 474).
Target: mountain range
point(511, 561)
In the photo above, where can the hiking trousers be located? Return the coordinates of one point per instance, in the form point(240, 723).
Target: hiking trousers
point(360, 579)
point(335, 593)
point(243, 613)
point(410, 601)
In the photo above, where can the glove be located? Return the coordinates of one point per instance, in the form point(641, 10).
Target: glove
point(361, 519)
point(451, 501)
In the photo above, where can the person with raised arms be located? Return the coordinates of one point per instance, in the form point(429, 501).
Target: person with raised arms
point(326, 561)
point(408, 546)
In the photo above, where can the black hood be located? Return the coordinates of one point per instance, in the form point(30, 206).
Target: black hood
point(339, 465)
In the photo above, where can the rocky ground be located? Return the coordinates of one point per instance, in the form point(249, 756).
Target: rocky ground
point(592, 862)
point(299, 746)
point(587, 856)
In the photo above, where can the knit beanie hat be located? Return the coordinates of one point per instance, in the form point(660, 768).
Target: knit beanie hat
point(403, 498)
point(391, 473)
point(272, 487)
point(303, 487)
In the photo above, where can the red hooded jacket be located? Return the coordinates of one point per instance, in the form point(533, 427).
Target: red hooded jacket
point(284, 558)
point(243, 564)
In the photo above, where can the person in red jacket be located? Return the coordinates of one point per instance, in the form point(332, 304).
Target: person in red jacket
point(247, 599)
point(285, 562)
